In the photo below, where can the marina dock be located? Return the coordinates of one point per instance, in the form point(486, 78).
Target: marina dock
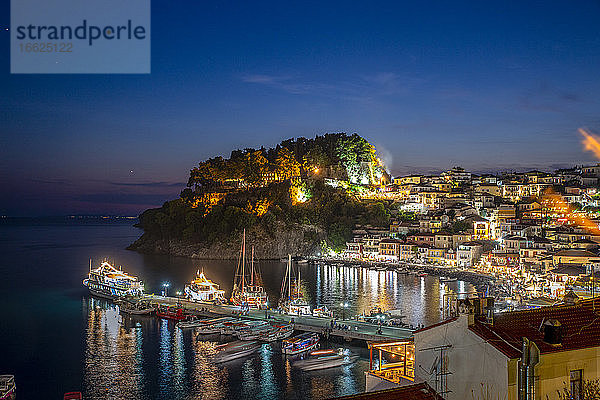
point(346, 329)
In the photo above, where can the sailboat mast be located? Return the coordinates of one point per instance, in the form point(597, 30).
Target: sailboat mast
point(289, 273)
point(243, 258)
point(252, 269)
point(298, 284)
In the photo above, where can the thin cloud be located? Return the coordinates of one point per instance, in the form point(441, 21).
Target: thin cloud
point(366, 87)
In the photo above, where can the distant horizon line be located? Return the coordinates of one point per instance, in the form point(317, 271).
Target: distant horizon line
point(72, 216)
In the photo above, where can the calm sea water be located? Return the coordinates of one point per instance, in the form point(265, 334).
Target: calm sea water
point(54, 338)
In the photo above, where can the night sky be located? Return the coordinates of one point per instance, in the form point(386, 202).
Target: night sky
point(486, 85)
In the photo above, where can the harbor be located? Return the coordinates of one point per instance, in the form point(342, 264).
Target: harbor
point(145, 357)
point(347, 329)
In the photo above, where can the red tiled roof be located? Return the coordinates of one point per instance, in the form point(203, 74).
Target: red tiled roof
point(580, 328)
point(419, 391)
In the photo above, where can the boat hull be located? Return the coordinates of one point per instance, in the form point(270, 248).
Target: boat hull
point(333, 362)
point(237, 351)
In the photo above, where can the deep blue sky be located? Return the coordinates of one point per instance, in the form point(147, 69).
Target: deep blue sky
point(486, 85)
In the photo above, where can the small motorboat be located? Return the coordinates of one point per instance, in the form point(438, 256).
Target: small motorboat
point(278, 332)
point(73, 396)
point(322, 359)
point(215, 325)
point(253, 332)
point(444, 279)
point(234, 350)
point(8, 388)
point(173, 313)
point(196, 323)
point(300, 343)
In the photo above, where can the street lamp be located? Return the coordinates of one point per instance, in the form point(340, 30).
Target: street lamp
point(166, 289)
point(266, 310)
point(344, 306)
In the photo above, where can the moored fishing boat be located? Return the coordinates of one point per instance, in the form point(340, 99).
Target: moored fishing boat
point(108, 282)
point(135, 307)
point(234, 350)
point(253, 332)
point(203, 289)
point(248, 289)
point(214, 326)
point(8, 388)
point(300, 343)
point(278, 332)
point(173, 313)
point(203, 323)
point(322, 359)
point(194, 323)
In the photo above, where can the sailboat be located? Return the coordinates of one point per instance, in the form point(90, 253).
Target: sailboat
point(292, 300)
point(248, 289)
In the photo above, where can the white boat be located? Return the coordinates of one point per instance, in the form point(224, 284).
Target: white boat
point(8, 388)
point(444, 279)
point(108, 282)
point(322, 359)
point(292, 300)
point(300, 343)
point(235, 350)
point(248, 289)
point(203, 289)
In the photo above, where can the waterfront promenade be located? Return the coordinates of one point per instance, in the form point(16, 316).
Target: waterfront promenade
point(346, 329)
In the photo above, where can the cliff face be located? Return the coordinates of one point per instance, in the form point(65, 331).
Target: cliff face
point(297, 240)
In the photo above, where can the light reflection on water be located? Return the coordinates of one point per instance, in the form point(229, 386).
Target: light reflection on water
point(113, 362)
point(107, 356)
point(173, 364)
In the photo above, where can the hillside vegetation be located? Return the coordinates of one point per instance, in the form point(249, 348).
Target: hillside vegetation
point(307, 186)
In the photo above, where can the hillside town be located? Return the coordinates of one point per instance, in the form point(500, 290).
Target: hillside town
point(536, 231)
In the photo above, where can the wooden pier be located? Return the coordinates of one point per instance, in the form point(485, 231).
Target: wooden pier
point(346, 329)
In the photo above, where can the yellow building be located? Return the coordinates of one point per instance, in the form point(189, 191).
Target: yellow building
point(436, 256)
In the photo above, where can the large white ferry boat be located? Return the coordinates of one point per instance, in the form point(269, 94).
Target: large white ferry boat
point(203, 289)
point(107, 281)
